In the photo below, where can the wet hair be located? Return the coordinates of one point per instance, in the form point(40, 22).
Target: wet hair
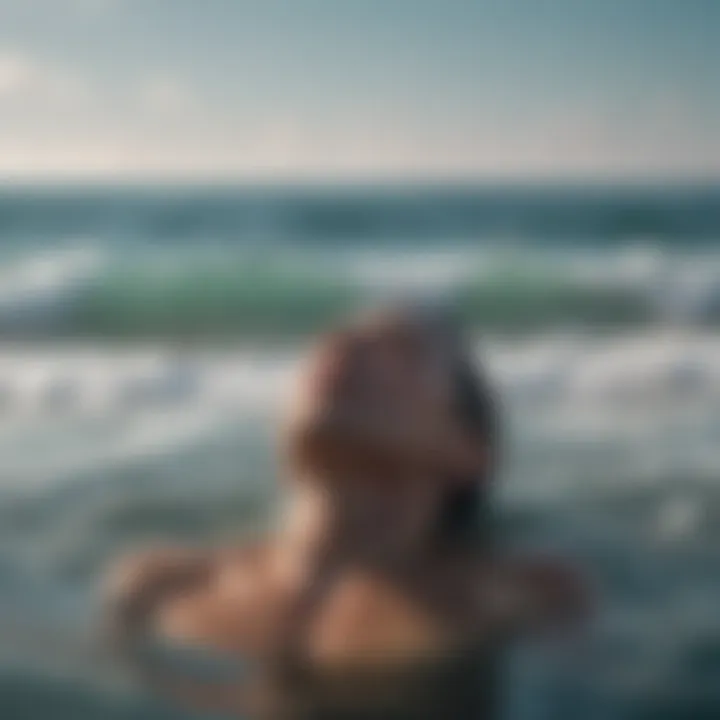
point(467, 516)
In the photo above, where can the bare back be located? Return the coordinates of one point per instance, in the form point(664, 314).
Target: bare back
point(343, 642)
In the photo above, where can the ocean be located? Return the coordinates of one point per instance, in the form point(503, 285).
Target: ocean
point(148, 334)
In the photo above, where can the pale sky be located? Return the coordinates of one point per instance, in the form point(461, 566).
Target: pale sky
point(244, 89)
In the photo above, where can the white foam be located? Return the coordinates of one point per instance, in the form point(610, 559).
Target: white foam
point(37, 283)
point(68, 410)
point(580, 372)
point(639, 402)
point(637, 368)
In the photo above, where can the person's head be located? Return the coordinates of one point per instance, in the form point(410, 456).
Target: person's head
point(391, 419)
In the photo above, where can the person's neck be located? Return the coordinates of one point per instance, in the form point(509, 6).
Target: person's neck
point(319, 530)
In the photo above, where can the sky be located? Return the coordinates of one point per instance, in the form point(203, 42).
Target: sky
point(315, 89)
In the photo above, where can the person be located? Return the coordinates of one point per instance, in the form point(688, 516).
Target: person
point(382, 592)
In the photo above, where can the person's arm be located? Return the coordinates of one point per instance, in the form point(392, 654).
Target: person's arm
point(138, 586)
point(135, 591)
point(524, 596)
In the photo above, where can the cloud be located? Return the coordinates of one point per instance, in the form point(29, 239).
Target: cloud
point(16, 74)
point(23, 77)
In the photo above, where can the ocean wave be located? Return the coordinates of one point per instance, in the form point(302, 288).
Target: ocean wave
point(95, 292)
point(416, 214)
point(632, 403)
point(565, 368)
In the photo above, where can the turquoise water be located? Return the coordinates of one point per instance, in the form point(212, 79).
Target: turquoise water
point(148, 336)
point(182, 263)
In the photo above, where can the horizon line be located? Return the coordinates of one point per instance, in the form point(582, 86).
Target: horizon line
point(110, 180)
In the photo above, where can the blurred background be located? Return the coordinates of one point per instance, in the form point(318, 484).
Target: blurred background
point(190, 190)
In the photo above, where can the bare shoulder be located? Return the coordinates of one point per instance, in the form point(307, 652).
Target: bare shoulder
point(231, 608)
point(240, 574)
point(139, 586)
